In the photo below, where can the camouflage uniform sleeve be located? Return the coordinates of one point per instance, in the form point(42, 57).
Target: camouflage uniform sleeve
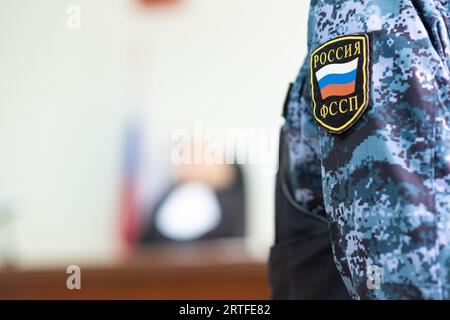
point(301, 261)
point(302, 145)
point(386, 181)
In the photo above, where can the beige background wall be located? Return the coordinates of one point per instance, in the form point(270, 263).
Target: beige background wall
point(65, 96)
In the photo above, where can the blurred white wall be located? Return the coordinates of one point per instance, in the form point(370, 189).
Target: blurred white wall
point(65, 96)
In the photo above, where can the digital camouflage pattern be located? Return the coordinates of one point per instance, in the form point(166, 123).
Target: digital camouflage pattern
point(384, 184)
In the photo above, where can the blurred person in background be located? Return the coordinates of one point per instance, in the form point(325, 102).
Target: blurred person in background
point(206, 201)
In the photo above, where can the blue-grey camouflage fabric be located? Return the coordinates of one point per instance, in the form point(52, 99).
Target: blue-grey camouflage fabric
point(384, 185)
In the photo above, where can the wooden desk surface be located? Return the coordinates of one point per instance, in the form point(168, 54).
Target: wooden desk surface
point(216, 270)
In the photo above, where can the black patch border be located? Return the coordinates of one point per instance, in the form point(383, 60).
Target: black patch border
point(366, 88)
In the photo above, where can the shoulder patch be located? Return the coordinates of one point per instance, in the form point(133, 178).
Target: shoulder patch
point(339, 71)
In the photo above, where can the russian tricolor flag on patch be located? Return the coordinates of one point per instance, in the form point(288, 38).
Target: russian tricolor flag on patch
point(340, 81)
point(337, 79)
